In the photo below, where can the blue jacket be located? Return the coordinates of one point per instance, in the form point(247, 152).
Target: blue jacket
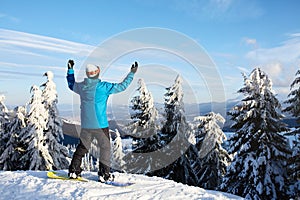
point(94, 94)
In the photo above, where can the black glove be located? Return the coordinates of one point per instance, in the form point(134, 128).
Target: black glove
point(134, 67)
point(70, 64)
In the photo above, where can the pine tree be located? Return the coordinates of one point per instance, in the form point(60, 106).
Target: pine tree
point(53, 132)
point(144, 115)
point(10, 157)
point(294, 109)
point(176, 139)
point(143, 129)
point(94, 149)
point(174, 112)
point(117, 159)
point(4, 120)
point(3, 113)
point(36, 155)
point(87, 163)
point(213, 158)
point(258, 170)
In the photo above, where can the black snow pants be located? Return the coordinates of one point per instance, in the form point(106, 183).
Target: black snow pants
point(103, 143)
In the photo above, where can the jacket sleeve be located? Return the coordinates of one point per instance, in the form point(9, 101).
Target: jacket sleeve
point(119, 87)
point(71, 80)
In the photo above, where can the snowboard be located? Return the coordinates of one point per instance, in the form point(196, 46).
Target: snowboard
point(63, 176)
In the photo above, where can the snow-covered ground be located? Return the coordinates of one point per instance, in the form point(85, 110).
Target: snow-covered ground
point(33, 185)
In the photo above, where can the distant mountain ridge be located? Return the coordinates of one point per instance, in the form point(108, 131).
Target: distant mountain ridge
point(121, 114)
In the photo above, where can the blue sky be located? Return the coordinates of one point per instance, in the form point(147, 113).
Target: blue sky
point(238, 35)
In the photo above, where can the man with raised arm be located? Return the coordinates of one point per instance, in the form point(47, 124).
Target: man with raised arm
point(94, 94)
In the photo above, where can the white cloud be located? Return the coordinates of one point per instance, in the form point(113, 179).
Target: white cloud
point(21, 51)
point(273, 69)
point(280, 62)
point(29, 42)
point(221, 6)
point(251, 42)
point(34, 54)
point(287, 52)
point(243, 69)
point(294, 35)
point(232, 10)
point(44, 67)
point(281, 75)
point(4, 16)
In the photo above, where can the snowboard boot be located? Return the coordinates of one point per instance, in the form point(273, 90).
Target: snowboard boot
point(106, 178)
point(104, 174)
point(74, 174)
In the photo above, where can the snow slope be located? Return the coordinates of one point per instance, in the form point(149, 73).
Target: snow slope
point(35, 185)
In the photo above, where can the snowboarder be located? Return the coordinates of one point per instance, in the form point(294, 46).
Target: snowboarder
point(94, 94)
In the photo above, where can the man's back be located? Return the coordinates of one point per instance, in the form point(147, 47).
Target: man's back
point(93, 96)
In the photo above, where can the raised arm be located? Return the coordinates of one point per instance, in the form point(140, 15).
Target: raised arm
point(119, 87)
point(70, 75)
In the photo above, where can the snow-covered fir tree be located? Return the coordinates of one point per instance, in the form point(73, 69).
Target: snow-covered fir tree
point(176, 138)
point(143, 129)
point(174, 111)
point(144, 115)
point(35, 147)
point(293, 108)
point(3, 113)
point(213, 158)
point(117, 158)
point(4, 120)
point(87, 163)
point(258, 170)
point(9, 159)
point(144, 112)
point(94, 149)
point(53, 132)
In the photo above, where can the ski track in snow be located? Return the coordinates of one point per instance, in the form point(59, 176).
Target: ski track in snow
point(31, 185)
